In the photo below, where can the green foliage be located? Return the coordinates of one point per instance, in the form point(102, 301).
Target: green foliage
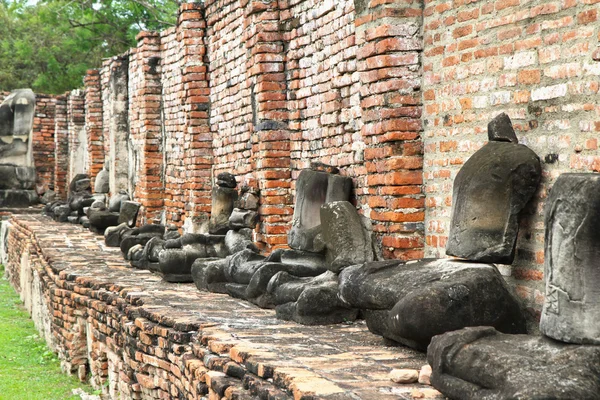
point(28, 369)
point(49, 45)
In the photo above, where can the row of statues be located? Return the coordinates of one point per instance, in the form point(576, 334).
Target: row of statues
point(458, 308)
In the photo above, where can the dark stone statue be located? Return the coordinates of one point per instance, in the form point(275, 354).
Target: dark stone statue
point(490, 190)
point(572, 260)
point(412, 302)
point(17, 170)
point(482, 364)
point(224, 195)
point(313, 189)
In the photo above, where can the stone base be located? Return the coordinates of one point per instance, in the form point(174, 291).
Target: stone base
point(483, 364)
point(189, 343)
point(18, 198)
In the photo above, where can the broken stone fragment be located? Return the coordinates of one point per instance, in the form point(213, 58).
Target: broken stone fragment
point(172, 232)
point(208, 274)
point(240, 219)
point(490, 190)
point(242, 265)
point(48, 197)
point(571, 310)
point(176, 263)
point(221, 209)
point(481, 363)
point(226, 180)
point(248, 201)
point(101, 184)
point(404, 375)
point(425, 375)
point(114, 204)
point(500, 129)
point(347, 242)
point(83, 184)
point(113, 234)
point(313, 189)
point(449, 294)
point(102, 219)
point(140, 236)
point(309, 300)
point(236, 241)
point(61, 212)
point(129, 212)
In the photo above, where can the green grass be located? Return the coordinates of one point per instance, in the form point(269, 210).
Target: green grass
point(28, 369)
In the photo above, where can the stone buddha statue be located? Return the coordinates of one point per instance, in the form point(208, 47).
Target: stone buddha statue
point(17, 171)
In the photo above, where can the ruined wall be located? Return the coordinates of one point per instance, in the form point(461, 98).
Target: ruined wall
point(145, 126)
point(96, 145)
point(43, 141)
point(397, 95)
point(187, 147)
point(61, 148)
point(532, 60)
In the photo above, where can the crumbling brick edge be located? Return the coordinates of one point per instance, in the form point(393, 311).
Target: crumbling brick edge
point(106, 334)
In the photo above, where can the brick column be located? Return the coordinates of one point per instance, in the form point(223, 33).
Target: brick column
point(93, 122)
point(271, 136)
point(191, 33)
point(145, 127)
point(61, 147)
point(389, 39)
point(43, 140)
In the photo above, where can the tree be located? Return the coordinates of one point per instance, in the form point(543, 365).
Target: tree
point(49, 45)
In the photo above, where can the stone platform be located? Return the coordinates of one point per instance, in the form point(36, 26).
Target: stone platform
point(137, 336)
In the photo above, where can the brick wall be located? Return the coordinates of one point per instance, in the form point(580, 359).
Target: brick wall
point(61, 148)
point(187, 140)
point(94, 122)
point(396, 94)
point(145, 126)
point(532, 60)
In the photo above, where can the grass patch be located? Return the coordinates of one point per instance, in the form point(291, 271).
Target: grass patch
point(28, 369)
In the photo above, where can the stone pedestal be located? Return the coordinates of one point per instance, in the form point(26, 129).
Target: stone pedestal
point(572, 260)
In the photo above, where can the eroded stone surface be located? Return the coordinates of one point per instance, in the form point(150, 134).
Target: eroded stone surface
point(500, 129)
point(490, 190)
point(129, 212)
point(347, 242)
point(224, 195)
point(449, 294)
point(571, 310)
point(175, 262)
point(102, 184)
point(313, 189)
point(482, 364)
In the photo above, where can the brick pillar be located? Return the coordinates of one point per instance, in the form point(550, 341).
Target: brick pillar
point(43, 140)
point(145, 125)
point(78, 154)
point(61, 147)
point(93, 122)
point(390, 43)
point(270, 136)
point(191, 33)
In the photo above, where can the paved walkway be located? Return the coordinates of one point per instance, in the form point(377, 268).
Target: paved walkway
point(335, 361)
